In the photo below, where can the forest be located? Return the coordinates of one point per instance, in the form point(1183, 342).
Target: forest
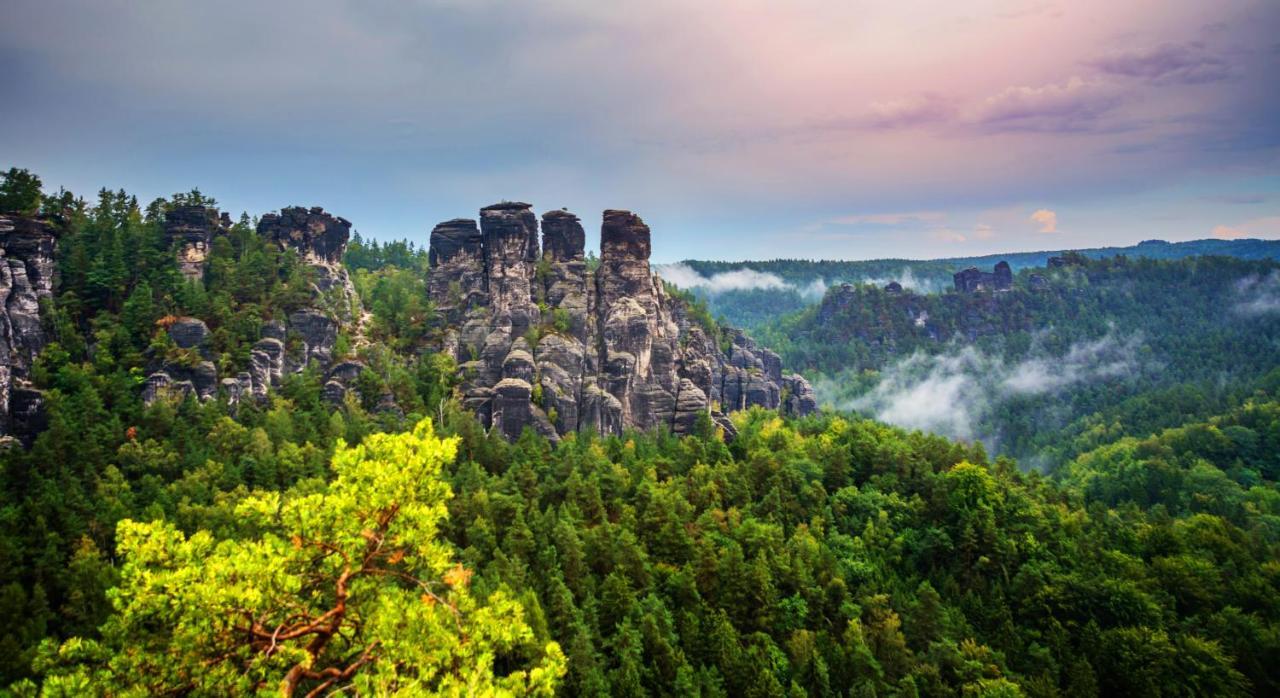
point(775, 287)
point(288, 546)
point(1068, 359)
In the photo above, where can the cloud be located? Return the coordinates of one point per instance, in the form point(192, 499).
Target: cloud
point(1071, 106)
point(982, 231)
point(1259, 295)
point(905, 278)
point(1048, 220)
point(1256, 228)
point(1167, 63)
point(954, 393)
point(373, 110)
point(908, 112)
point(745, 279)
point(947, 235)
point(890, 218)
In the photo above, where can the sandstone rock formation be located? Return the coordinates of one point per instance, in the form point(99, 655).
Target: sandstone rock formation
point(319, 239)
point(972, 280)
point(541, 342)
point(190, 230)
point(26, 278)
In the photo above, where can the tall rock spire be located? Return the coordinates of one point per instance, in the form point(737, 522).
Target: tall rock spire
point(544, 343)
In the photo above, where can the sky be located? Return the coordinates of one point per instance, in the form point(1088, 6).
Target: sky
point(737, 129)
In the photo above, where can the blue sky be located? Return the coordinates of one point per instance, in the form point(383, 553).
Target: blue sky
point(738, 130)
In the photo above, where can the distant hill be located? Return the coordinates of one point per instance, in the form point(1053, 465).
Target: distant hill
point(780, 286)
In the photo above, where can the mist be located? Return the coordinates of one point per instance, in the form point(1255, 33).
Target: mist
point(954, 393)
point(748, 279)
point(1258, 295)
point(745, 279)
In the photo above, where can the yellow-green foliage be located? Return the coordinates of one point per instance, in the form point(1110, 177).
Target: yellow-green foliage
point(346, 585)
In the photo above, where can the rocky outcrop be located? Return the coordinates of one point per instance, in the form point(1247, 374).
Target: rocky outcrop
point(320, 239)
point(543, 343)
point(308, 336)
point(189, 333)
point(972, 280)
point(26, 277)
point(190, 231)
point(318, 236)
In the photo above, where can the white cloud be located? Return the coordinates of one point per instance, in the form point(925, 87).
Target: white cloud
point(744, 279)
point(1048, 220)
point(905, 278)
point(747, 279)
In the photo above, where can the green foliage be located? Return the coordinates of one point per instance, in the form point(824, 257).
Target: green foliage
point(401, 314)
point(373, 256)
point(342, 586)
point(1190, 351)
point(160, 548)
point(20, 192)
point(834, 557)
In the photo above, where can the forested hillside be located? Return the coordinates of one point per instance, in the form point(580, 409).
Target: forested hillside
point(752, 294)
point(1069, 358)
point(287, 542)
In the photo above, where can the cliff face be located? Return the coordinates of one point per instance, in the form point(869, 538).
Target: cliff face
point(26, 277)
point(542, 342)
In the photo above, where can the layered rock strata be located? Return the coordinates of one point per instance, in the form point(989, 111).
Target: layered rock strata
point(544, 343)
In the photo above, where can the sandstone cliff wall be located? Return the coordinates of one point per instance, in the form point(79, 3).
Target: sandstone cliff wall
point(26, 277)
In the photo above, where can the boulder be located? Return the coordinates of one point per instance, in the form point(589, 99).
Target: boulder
point(189, 333)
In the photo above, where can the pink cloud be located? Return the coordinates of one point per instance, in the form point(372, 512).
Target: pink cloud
point(1268, 227)
point(1073, 105)
point(1168, 63)
point(947, 235)
point(906, 112)
point(891, 218)
point(1048, 220)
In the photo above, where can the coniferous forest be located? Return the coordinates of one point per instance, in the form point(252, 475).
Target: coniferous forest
point(295, 544)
